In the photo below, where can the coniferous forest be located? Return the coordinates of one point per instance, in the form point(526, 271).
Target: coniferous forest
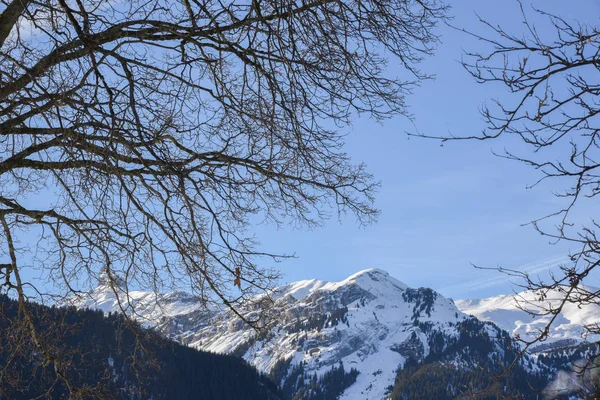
point(107, 355)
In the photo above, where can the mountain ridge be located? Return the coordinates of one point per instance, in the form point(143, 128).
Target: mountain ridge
point(364, 330)
point(513, 313)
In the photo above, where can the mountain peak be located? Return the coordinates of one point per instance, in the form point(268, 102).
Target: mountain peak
point(374, 274)
point(106, 280)
point(374, 280)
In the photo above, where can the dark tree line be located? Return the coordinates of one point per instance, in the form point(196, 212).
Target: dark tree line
point(299, 385)
point(105, 361)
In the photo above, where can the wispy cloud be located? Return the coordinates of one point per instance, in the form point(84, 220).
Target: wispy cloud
point(499, 278)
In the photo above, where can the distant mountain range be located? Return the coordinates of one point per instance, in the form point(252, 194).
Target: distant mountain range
point(510, 312)
point(370, 336)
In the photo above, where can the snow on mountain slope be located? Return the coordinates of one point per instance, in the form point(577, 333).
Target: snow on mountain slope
point(366, 322)
point(370, 323)
point(148, 307)
point(507, 311)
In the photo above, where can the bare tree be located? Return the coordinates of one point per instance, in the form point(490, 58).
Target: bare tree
point(553, 107)
point(142, 139)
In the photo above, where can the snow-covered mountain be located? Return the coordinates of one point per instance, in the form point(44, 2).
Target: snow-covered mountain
point(345, 339)
point(369, 321)
point(149, 308)
point(510, 312)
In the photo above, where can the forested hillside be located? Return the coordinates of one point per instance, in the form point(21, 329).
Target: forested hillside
point(105, 355)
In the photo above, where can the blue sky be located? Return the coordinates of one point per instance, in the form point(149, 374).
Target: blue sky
point(443, 208)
